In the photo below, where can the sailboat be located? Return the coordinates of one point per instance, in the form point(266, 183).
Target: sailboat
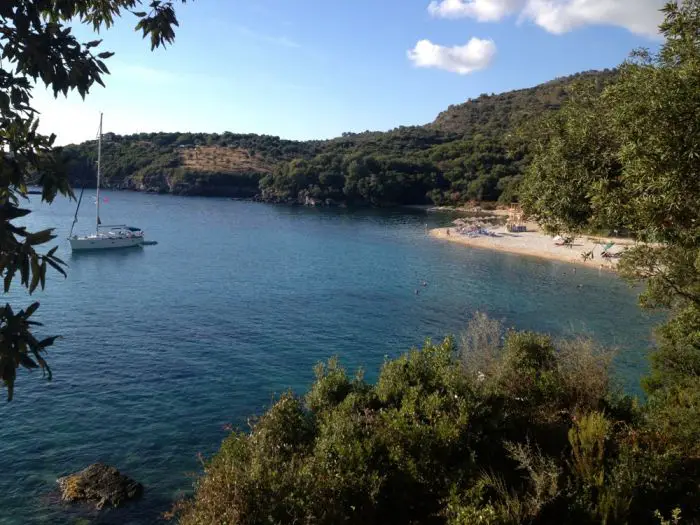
point(106, 237)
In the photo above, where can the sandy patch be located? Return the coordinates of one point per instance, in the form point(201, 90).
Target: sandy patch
point(535, 243)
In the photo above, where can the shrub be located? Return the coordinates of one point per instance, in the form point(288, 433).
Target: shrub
point(511, 427)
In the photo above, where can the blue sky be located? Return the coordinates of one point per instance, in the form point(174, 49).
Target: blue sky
point(305, 69)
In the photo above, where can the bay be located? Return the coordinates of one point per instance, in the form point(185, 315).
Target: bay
point(163, 347)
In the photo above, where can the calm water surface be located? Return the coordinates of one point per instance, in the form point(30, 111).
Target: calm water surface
point(164, 346)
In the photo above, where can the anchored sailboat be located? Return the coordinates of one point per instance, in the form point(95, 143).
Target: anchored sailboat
point(105, 237)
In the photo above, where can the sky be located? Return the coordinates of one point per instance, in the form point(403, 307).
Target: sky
point(313, 69)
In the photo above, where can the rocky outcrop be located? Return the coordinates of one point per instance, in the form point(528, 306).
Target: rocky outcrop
point(101, 484)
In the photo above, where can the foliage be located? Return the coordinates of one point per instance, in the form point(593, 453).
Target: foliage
point(471, 152)
point(153, 161)
point(675, 517)
point(499, 114)
point(628, 159)
point(38, 46)
point(439, 440)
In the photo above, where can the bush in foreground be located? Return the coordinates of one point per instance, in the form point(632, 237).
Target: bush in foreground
point(511, 428)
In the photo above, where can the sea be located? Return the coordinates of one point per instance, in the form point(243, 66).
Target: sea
point(165, 347)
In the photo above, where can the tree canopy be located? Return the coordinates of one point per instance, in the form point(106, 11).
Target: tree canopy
point(472, 152)
point(38, 47)
point(628, 159)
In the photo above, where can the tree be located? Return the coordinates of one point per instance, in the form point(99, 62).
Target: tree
point(38, 46)
point(629, 159)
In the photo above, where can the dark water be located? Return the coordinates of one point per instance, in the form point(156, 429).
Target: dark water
point(164, 346)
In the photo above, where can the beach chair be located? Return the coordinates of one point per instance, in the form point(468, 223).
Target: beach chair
point(564, 241)
point(606, 252)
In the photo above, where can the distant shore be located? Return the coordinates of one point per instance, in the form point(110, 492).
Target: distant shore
point(472, 210)
point(535, 243)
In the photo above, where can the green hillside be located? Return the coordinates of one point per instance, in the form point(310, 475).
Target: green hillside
point(470, 152)
point(493, 114)
point(183, 163)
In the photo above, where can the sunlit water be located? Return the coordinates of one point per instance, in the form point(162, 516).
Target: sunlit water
point(164, 346)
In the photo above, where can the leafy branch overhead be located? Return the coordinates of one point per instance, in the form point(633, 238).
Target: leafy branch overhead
point(37, 46)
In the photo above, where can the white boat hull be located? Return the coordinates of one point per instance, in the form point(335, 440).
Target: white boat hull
point(79, 244)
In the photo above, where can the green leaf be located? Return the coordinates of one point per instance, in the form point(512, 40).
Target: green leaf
point(9, 212)
point(44, 236)
point(57, 267)
point(49, 341)
point(36, 274)
point(31, 309)
point(28, 362)
point(8, 280)
point(43, 274)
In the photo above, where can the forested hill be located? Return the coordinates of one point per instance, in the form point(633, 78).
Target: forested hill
point(499, 113)
point(467, 153)
point(184, 163)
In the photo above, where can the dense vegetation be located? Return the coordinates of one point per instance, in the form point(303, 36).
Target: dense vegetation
point(509, 428)
point(154, 162)
point(513, 427)
point(629, 159)
point(473, 151)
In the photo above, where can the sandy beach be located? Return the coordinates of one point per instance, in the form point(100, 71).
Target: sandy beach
point(535, 243)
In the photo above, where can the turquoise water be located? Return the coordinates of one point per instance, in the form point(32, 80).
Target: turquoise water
point(164, 346)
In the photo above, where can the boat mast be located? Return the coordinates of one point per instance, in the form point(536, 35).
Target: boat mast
point(99, 167)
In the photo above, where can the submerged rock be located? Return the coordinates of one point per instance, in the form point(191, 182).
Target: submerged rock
point(101, 484)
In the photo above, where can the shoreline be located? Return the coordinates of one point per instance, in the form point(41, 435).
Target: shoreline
point(535, 243)
point(469, 210)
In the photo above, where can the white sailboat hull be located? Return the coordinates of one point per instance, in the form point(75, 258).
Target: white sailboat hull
point(103, 242)
point(113, 237)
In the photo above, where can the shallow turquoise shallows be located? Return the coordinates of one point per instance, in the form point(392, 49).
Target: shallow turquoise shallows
point(163, 346)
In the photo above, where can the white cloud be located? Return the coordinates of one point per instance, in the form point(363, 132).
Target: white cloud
point(473, 56)
point(482, 10)
point(638, 16)
point(560, 16)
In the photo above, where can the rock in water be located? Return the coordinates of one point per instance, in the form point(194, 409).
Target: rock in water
point(100, 483)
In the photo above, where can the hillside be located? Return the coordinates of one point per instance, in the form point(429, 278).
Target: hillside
point(468, 153)
point(499, 113)
point(183, 163)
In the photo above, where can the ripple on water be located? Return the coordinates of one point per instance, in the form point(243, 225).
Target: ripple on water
point(164, 346)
